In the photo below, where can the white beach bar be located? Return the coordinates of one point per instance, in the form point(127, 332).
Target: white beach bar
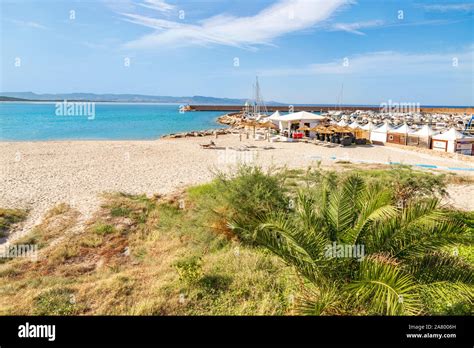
point(295, 120)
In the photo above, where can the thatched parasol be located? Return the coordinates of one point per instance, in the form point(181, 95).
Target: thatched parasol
point(304, 129)
point(322, 130)
point(250, 123)
point(268, 124)
point(339, 129)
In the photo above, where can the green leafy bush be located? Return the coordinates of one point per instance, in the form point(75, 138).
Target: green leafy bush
point(247, 196)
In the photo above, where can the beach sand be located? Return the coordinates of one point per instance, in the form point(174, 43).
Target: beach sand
point(39, 175)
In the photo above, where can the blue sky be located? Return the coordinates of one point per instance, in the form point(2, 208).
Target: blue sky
point(304, 51)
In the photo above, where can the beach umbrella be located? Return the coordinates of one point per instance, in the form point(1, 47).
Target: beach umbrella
point(268, 124)
point(304, 128)
point(345, 130)
point(320, 129)
point(251, 123)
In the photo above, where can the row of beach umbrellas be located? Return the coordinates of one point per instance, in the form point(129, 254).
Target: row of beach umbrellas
point(318, 129)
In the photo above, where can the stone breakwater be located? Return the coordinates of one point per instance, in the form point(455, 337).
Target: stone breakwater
point(201, 133)
point(232, 120)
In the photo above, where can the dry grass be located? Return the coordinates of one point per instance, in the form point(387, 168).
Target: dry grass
point(57, 221)
point(10, 217)
point(126, 261)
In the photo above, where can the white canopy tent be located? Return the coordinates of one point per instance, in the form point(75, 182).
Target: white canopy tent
point(296, 116)
point(403, 129)
point(355, 125)
point(284, 122)
point(275, 116)
point(425, 131)
point(369, 126)
point(342, 123)
point(380, 134)
point(453, 141)
point(421, 137)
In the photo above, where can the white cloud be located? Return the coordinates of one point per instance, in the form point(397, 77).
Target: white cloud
point(28, 24)
point(283, 17)
point(356, 27)
point(158, 5)
point(449, 7)
point(386, 63)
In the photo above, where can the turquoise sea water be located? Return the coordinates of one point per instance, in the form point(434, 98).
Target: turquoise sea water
point(39, 121)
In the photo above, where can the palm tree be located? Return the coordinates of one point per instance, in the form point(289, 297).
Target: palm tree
point(402, 269)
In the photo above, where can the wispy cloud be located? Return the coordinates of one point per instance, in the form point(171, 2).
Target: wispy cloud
point(158, 5)
point(356, 27)
point(283, 17)
point(28, 24)
point(449, 7)
point(386, 63)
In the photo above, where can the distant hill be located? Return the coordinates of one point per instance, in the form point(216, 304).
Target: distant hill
point(125, 98)
point(2, 98)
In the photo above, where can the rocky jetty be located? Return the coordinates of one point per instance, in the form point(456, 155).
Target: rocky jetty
point(201, 133)
point(233, 120)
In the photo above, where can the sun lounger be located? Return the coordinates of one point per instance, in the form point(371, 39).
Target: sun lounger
point(208, 146)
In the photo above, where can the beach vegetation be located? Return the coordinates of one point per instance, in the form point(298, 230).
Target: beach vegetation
point(9, 217)
point(254, 242)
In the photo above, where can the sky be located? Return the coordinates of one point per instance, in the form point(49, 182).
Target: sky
point(303, 51)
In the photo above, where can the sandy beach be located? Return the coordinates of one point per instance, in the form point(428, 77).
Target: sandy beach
point(39, 175)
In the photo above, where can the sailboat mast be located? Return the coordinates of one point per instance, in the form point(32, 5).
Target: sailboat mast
point(257, 97)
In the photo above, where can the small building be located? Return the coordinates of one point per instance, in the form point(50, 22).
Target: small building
point(290, 123)
point(355, 125)
point(422, 137)
point(453, 141)
point(342, 123)
point(399, 135)
point(379, 135)
point(365, 131)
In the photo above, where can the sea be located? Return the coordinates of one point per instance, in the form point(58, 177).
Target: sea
point(38, 121)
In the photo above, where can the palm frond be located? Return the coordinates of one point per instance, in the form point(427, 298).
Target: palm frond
point(344, 205)
point(446, 294)
point(376, 210)
point(383, 288)
point(303, 249)
point(307, 212)
point(320, 300)
point(421, 227)
point(440, 266)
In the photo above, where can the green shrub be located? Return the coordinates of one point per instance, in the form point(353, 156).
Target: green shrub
point(103, 229)
point(248, 196)
point(55, 302)
point(120, 211)
point(189, 270)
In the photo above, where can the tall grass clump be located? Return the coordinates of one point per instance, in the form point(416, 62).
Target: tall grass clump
point(9, 217)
